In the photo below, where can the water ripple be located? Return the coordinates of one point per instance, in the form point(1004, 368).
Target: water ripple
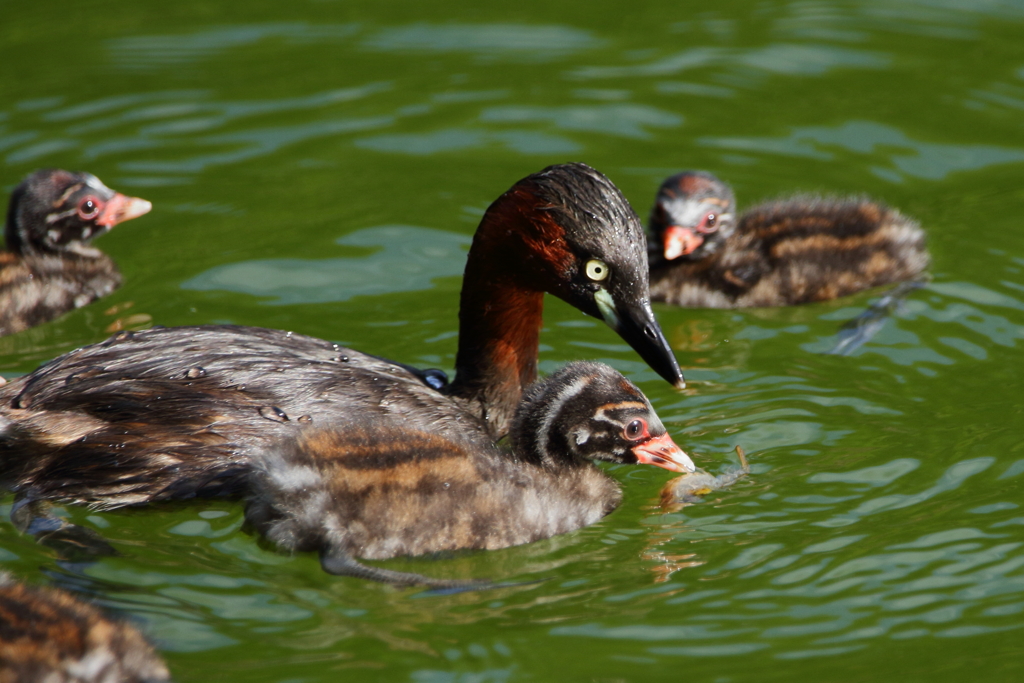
point(115, 102)
point(258, 142)
point(624, 120)
point(917, 159)
point(965, 322)
point(950, 582)
point(408, 258)
point(882, 512)
point(879, 475)
point(170, 121)
point(142, 53)
point(533, 43)
point(790, 59)
point(457, 139)
point(666, 66)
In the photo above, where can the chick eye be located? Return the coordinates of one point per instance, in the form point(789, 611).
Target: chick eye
point(597, 270)
point(709, 224)
point(89, 208)
point(634, 430)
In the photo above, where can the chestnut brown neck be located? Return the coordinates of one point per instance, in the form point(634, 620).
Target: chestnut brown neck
point(500, 313)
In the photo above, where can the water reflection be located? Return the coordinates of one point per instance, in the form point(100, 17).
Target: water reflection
point(162, 51)
point(530, 42)
point(171, 122)
point(259, 142)
point(883, 509)
point(458, 139)
point(780, 58)
point(409, 258)
point(917, 159)
point(625, 120)
point(814, 598)
point(966, 329)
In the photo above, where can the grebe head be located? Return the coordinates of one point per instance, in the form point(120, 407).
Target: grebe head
point(59, 211)
point(694, 212)
point(568, 230)
point(590, 411)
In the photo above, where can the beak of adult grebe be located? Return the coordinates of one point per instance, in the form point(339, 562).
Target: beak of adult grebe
point(680, 241)
point(636, 324)
point(121, 208)
point(662, 451)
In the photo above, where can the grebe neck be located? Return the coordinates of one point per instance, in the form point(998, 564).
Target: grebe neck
point(500, 313)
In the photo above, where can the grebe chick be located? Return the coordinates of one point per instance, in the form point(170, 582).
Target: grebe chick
point(49, 266)
point(172, 413)
point(49, 636)
point(374, 491)
point(781, 253)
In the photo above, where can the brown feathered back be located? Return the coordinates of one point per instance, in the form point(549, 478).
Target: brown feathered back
point(49, 636)
point(786, 252)
point(373, 492)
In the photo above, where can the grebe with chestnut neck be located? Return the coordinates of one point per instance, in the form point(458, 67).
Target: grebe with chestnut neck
point(171, 413)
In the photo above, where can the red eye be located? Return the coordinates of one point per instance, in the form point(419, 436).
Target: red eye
point(89, 208)
point(635, 430)
point(709, 224)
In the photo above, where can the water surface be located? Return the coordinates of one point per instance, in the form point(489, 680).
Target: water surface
point(320, 166)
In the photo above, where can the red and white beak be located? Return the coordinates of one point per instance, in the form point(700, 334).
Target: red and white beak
point(680, 241)
point(662, 451)
point(120, 208)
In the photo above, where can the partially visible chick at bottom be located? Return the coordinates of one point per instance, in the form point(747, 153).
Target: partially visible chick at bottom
point(49, 636)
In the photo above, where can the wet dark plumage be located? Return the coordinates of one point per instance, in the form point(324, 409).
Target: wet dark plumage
point(49, 267)
point(780, 253)
point(47, 635)
point(178, 412)
point(131, 420)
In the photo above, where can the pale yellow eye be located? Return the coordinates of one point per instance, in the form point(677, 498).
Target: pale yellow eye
point(597, 270)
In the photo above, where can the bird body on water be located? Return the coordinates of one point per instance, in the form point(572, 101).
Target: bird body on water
point(370, 492)
point(780, 253)
point(49, 266)
point(49, 636)
point(171, 413)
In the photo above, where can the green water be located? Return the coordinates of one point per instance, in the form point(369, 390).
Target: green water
point(287, 147)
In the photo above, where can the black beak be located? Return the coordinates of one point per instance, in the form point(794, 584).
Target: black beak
point(636, 324)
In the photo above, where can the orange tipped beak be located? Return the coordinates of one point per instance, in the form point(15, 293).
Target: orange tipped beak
point(680, 241)
point(121, 208)
point(662, 451)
